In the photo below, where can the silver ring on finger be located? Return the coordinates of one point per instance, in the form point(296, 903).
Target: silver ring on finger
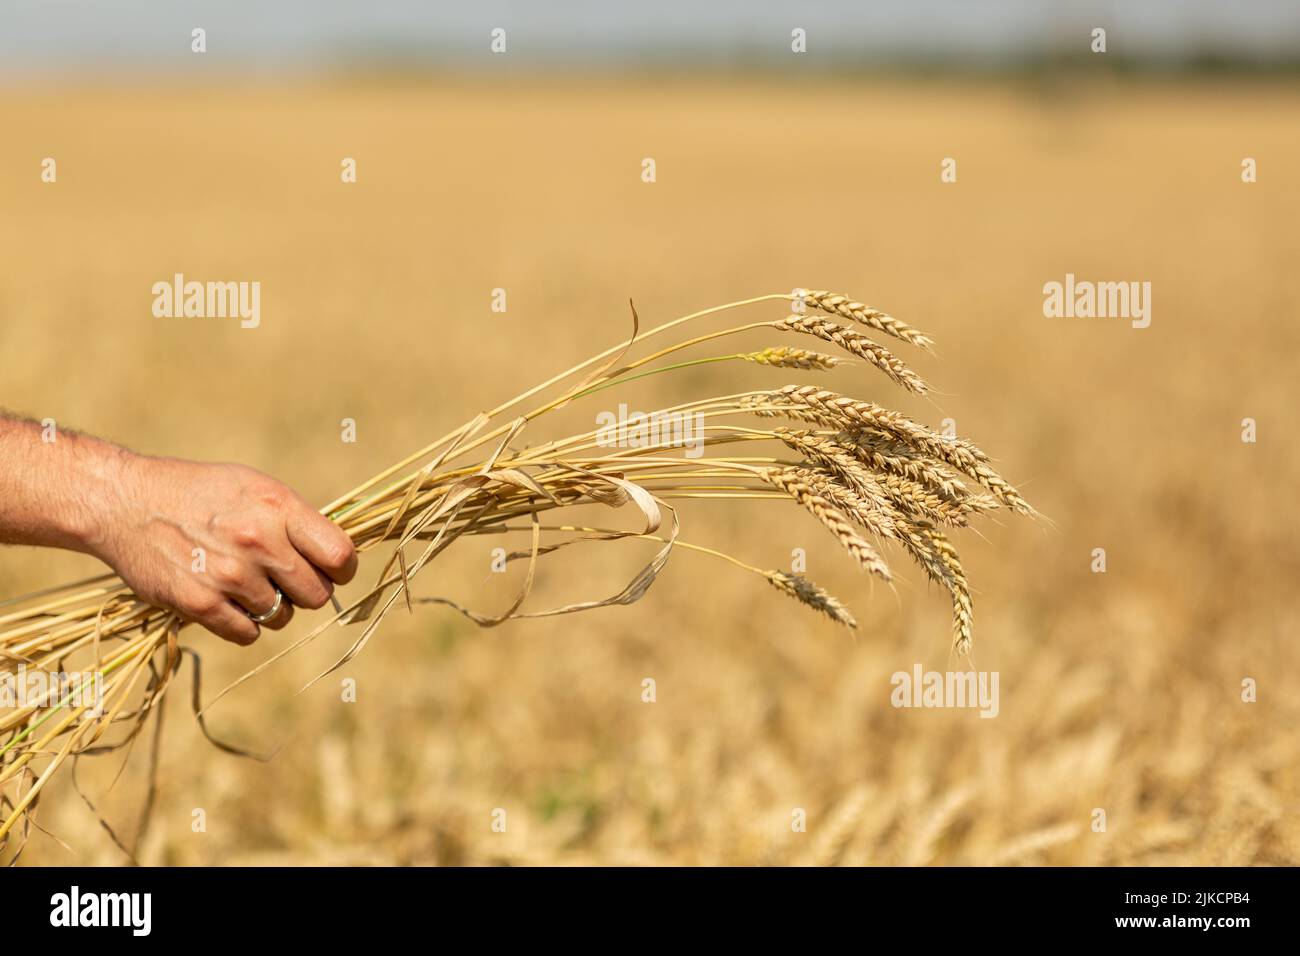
point(269, 615)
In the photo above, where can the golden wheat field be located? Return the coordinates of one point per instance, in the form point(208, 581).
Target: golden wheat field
point(1121, 691)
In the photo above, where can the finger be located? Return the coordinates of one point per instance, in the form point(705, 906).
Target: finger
point(302, 584)
point(248, 585)
point(322, 543)
point(282, 617)
point(228, 621)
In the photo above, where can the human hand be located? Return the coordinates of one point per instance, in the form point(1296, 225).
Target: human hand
point(214, 541)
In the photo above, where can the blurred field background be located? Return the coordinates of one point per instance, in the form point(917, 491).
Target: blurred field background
point(1120, 691)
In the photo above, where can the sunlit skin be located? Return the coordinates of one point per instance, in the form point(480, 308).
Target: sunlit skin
point(211, 541)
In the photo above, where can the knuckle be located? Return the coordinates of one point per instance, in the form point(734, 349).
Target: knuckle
point(336, 555)
point(201, 604)
point(227, 572)
point(316, 598)
point(248, 535)
point(269, 492)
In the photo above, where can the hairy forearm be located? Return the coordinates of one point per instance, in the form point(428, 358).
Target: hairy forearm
point(57, 486)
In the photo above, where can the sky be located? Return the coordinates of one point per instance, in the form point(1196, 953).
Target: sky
point(60, 35)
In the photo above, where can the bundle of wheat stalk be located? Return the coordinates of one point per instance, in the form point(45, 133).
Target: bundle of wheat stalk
point(870, 475)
